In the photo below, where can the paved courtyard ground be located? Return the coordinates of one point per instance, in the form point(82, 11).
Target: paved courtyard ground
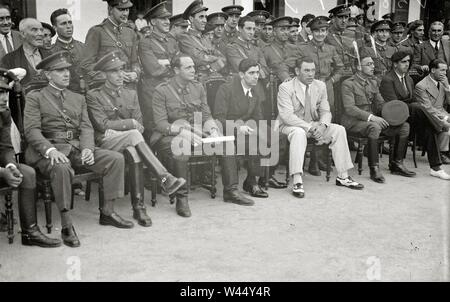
point(398, 231)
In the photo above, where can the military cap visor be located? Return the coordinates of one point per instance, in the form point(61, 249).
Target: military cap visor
point(318, 22)
point(217, 18)
point(398, 27)
point(233, 10)
point(6, 77)
point(158, 11)
point(194, 8)
point(340, 10)
point(281, 22)
point(58, 60)
point(381, 25)
point(120, 3)
point(110, 61)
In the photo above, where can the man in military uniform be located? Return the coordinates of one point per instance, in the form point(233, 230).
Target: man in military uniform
point(396, 39)
point(62, 21)
point(416, 31)
point(329, 68)
point(207, 61)
point(117, 121)
point(155, 54)
point(17, 175)
point(280, 55)
point(178, 26)
point(260, 17)
point(362, 103)
point(61, 139)
point(342, 38)
point(231, 26)
point(305, 34)
point(293, 32)
point(218, 21)
point(174, 105)
point(112, 34)
point(49, 33)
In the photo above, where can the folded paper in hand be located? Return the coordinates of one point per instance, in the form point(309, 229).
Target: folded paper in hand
point(210, 140)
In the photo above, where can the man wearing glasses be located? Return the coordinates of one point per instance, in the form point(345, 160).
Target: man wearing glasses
point(362, 104)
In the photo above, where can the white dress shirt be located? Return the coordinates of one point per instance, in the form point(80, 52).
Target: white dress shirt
point(3, 40)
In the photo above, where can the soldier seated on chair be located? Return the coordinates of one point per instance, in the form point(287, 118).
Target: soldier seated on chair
point(117, 120)
point(60, 139)
point(362, 104)
point(304, 113)
point(19, 175)
point(179, 100)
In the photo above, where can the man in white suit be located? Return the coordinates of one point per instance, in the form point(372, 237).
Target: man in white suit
point(304, 112)
point(9, 39)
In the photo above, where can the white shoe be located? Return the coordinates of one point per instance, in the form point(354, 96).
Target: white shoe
point(440, 174)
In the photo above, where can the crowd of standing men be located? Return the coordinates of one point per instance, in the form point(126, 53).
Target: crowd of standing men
point(122, 97)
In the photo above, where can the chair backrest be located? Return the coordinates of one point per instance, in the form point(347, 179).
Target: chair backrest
point(212, 86)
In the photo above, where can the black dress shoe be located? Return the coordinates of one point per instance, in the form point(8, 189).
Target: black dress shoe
point(69, 237)
point(272, 183)
point(399, 169)
point(115, 220)
point(375, 175)
point(235, 197)
point(182, 207)
point(298, 190)
point(255, 190)
point(34, 236)
point(140, 214)
point(171, 184)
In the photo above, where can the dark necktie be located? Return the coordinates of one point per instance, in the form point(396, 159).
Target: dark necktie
point(436, 49)
point(404, 84)
point(9, 47)
point(438, 86)
point(308, 117)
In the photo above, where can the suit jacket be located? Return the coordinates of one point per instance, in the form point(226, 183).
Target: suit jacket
point(424, 53)
point(232, 104)
point(291, 104)
point(432, 99)
point(392, 88)
point(17, 42)
point(41, 116)
point(7, 154)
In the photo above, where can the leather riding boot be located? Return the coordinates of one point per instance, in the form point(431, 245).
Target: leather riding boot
point(182, 207)
point(396, 166)
point(182, 204)
point(135, 174)
point(169, 183)
point(313, 168)
point(372, 158)
point(31, 234)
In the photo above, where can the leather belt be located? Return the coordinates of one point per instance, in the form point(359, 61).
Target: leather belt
point(69, 135)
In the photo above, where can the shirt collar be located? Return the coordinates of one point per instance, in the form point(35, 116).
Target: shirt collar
point(433, 80)
point(159, 36)
point(433, 43)
point(302, 86)
point(399, 76)
point(180, 89)
point(33, 53)
point(113, 23)
point(195, 32)
point(249, 90)
point(64, 42)
point(7, 35)
point(55, 90)
point(360, 78)
point(112, 91)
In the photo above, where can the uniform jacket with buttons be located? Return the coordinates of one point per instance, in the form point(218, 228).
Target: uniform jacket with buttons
point(239, 49)
point(343, 42)
point(112, 109)
point(169, 107)
point(7, 154)
point(40, 116)
point(280, 58)
point(360, 98)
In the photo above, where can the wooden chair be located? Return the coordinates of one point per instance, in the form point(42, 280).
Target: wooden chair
point(7, 191)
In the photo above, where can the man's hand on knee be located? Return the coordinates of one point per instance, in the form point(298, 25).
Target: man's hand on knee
point(57, 157)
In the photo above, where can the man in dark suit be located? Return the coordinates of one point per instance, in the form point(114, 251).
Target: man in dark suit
point(398, 85)
point(238, 100)
point(433, 92)
point(18, 175)
point(434, 48)
point(10, 39)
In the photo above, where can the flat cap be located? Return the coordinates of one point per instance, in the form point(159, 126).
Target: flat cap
point(260, 16)
point(233, 9)
point(398, 27)
point(178, 20)
point(58, 60)
point(269, 20)
point(218, 18)
point(158, 11)
point(318, 22)
point(282, 22)
point(6, 77)
point(120, 3)
point(415, 24)
point(399, 55)
point(340, 10)
point(194, 8)
point(50, 28)
point(109, 61)
point(395, 112)
point(380, 25)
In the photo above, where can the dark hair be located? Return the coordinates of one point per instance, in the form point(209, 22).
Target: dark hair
point(244, 19)
point(306, 18)
point(176, 61)
point(246, 64)
point(434, 64)
point(57, 13)
point(299, 62)
point(5, 6)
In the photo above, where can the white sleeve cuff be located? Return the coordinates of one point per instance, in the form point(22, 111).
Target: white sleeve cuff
point(10, 165)
point(446, 118)
point(370, 116)
point(48, 151)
